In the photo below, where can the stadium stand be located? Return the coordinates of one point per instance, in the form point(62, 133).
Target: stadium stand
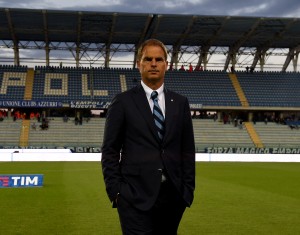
point(276, 135)
point(70, 84)
point(58, 84)
point(10, 132)
point(213, 134)
point(271, 88)
point(204, 88)
point(67, 134)
point(212, 88)
point(208, 133)
point(12, 80)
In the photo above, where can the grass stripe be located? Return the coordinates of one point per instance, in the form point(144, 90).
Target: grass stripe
point(230, 198)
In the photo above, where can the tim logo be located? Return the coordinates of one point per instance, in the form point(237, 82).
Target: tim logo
point(4, 180)
point(17, 181)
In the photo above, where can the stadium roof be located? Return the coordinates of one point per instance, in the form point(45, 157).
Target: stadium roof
point(78, 27)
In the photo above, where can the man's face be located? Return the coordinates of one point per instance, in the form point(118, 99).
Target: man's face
point(153, 66)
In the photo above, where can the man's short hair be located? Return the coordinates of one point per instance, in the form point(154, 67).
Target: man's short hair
point(151, 42)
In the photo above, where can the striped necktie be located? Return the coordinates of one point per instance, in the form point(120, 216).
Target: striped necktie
point(158, 116)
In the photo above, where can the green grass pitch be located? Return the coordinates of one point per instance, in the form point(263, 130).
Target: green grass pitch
point(230, 198)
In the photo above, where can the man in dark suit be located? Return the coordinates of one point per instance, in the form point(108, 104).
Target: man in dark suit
point(148, 152)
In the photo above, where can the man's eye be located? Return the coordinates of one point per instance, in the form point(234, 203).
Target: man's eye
point(149, 59)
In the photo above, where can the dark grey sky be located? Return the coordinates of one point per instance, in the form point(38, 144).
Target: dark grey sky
point(264, 8)
point(256, 8)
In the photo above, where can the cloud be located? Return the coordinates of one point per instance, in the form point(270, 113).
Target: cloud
point(61, 5)
point(264, 8)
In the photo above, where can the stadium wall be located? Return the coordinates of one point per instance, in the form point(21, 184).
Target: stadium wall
point(13, 155)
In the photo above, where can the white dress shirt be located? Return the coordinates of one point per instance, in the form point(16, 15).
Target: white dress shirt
point(161, 97)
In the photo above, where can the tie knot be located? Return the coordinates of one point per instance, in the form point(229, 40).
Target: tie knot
point(154, 95)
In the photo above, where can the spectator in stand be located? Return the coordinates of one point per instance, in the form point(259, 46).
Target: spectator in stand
point(198, 68)
point(241, 124)
point(32, 115)
point(182, 68)
point(215, 117)
point(45, 124)
point(191, 68)
point(235, 121)
point(194, 114)
point(66, 119)
point(33, 126)
point(14, 116)
point(232, 69)
point(76, 120)
point(17, 115)
point(225, 119)
point(38, 116)
point(247, 69)
point(1, 115)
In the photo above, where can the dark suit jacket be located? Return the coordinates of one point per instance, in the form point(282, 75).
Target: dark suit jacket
point(130, 130)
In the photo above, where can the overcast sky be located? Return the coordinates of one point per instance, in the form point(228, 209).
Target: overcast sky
point(256, 8)
point(264, 8)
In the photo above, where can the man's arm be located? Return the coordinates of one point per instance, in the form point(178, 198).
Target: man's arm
point(112, 144)
point(188, 155)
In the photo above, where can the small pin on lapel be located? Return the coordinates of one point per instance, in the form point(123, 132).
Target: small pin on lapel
point(171, 100)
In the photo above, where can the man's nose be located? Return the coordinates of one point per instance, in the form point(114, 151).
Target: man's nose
point(153, 62)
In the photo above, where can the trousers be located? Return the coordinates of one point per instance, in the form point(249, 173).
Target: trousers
point(162, 219)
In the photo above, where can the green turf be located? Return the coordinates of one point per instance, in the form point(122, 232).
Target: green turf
point(230, 198)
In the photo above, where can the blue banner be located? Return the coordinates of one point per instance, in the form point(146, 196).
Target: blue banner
point(21, 181)
point(30, 104)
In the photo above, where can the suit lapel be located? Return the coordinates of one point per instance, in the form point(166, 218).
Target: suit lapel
point(139, 97)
